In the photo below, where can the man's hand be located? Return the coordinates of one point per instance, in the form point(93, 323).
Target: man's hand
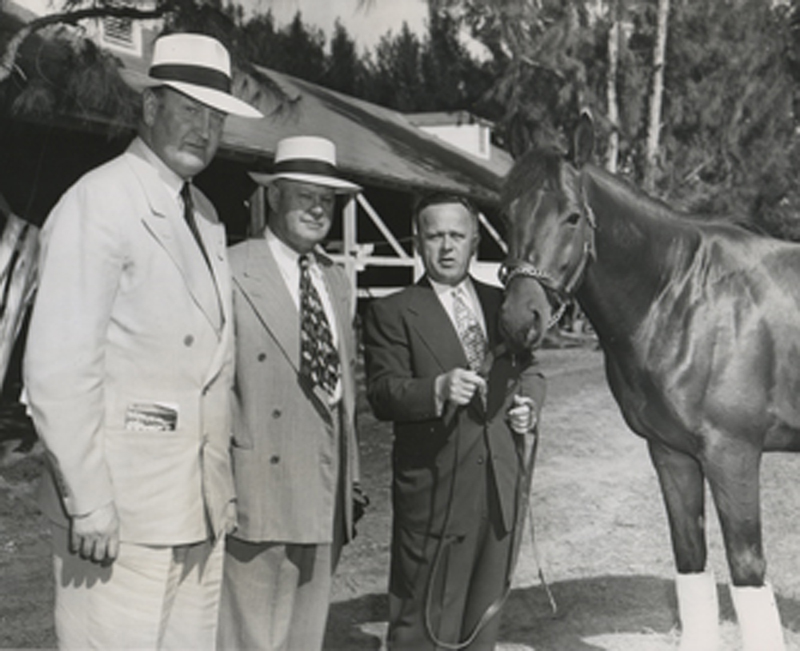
point(95, 536)
point(459, 385)
point(521, 415)
point(229, 521)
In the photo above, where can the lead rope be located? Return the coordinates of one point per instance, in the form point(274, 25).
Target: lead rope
point(494, 608)
point(534, 547)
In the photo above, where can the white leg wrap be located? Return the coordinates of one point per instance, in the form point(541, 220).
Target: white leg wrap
point(699, 611)
point(758, 617)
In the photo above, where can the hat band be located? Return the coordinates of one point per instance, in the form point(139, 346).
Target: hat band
point(200, 76)
point(307, 166)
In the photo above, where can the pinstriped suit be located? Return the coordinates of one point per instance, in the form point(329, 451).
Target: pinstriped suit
point(295, 457)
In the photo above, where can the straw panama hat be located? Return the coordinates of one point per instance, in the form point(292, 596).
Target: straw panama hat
point(196, 65)
point(309, 159)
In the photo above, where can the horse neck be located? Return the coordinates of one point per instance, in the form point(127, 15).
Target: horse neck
point(638, 243)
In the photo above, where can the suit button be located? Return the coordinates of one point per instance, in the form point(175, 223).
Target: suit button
point(480, 460)
point(188, 340)
point(276, 413)
point(274, 459)
point(262, 357)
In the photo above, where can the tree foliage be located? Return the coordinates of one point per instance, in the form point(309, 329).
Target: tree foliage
point(729, 132)
point(729, 127)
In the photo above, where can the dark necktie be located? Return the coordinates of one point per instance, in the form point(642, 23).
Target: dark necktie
point(319, 360)
point(188, 215)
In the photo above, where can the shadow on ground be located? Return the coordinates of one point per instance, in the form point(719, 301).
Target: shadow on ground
point(586, 609)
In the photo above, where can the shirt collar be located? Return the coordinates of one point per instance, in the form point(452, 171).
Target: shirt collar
point(283, 253)
point(169, 177)
point(440, 288)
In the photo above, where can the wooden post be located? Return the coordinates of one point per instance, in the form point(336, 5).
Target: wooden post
point(258, 211)
point(350, 237)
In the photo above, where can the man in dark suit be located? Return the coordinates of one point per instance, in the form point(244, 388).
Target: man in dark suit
point(462, 412)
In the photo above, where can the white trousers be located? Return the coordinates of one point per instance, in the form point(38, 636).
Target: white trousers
point(164, 598)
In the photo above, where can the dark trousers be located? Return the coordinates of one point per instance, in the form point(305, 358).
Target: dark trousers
point(469, 573)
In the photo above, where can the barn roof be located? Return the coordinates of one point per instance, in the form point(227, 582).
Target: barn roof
point(375, 146)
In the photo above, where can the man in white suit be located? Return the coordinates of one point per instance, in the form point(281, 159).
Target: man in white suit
point(128, 369)
point(295, 455)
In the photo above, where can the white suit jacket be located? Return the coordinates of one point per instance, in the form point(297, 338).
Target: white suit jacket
point(129, 358)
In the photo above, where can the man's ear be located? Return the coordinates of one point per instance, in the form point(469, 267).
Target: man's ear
point(150, 102)
point(273, 196)
point(476, 239)
point(416, 238)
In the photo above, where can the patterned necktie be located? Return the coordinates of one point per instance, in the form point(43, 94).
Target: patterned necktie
point(319, 360)
point(188, 215)
point(469, 332)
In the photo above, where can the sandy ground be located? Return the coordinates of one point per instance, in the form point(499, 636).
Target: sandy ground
point(600, 531)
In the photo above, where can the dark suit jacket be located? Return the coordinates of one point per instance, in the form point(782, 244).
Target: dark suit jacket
point(438, 463)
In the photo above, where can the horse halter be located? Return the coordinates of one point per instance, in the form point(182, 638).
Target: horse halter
point(560, 292)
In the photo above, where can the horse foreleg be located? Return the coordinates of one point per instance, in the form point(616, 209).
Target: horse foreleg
point(733, 474)
point(681, 479)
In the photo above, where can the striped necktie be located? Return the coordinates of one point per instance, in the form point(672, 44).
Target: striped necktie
point(469, 332)
point(319, 359)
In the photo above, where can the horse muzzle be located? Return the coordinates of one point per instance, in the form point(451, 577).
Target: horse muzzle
point(525, 314)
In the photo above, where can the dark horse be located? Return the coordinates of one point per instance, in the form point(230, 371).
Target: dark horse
point(699, 322)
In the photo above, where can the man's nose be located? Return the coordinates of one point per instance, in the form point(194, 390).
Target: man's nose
point(205, 122)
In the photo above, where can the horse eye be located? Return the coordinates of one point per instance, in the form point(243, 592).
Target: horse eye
point(574, 218)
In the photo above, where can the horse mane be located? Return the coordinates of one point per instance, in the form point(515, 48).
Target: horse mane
point(629, 194)
point(540, 167)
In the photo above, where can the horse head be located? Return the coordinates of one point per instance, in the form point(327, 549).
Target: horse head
point(551, 238)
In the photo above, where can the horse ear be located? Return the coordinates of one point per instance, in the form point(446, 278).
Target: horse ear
point(519, 136)
point(583, 140)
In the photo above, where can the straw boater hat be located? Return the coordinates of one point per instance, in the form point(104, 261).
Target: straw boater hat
point(309, 159)
point(196, 65)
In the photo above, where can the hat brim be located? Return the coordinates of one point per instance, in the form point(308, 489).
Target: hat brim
point(210, 97)
point(340, 186)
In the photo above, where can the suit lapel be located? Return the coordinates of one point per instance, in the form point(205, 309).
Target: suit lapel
point(163, 223)
point(341, 309)
point(435, 328)
point(264, 286)
point(438, 333)
point(490, 306)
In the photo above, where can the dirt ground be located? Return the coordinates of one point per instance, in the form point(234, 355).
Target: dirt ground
point(600, 531)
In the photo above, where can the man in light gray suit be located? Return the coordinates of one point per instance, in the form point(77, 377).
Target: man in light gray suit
point(294, 442)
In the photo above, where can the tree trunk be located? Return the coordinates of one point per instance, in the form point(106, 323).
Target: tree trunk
point(612, 153)
point(654, 127)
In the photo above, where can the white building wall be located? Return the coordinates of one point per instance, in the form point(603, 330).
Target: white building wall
point(471, 138)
